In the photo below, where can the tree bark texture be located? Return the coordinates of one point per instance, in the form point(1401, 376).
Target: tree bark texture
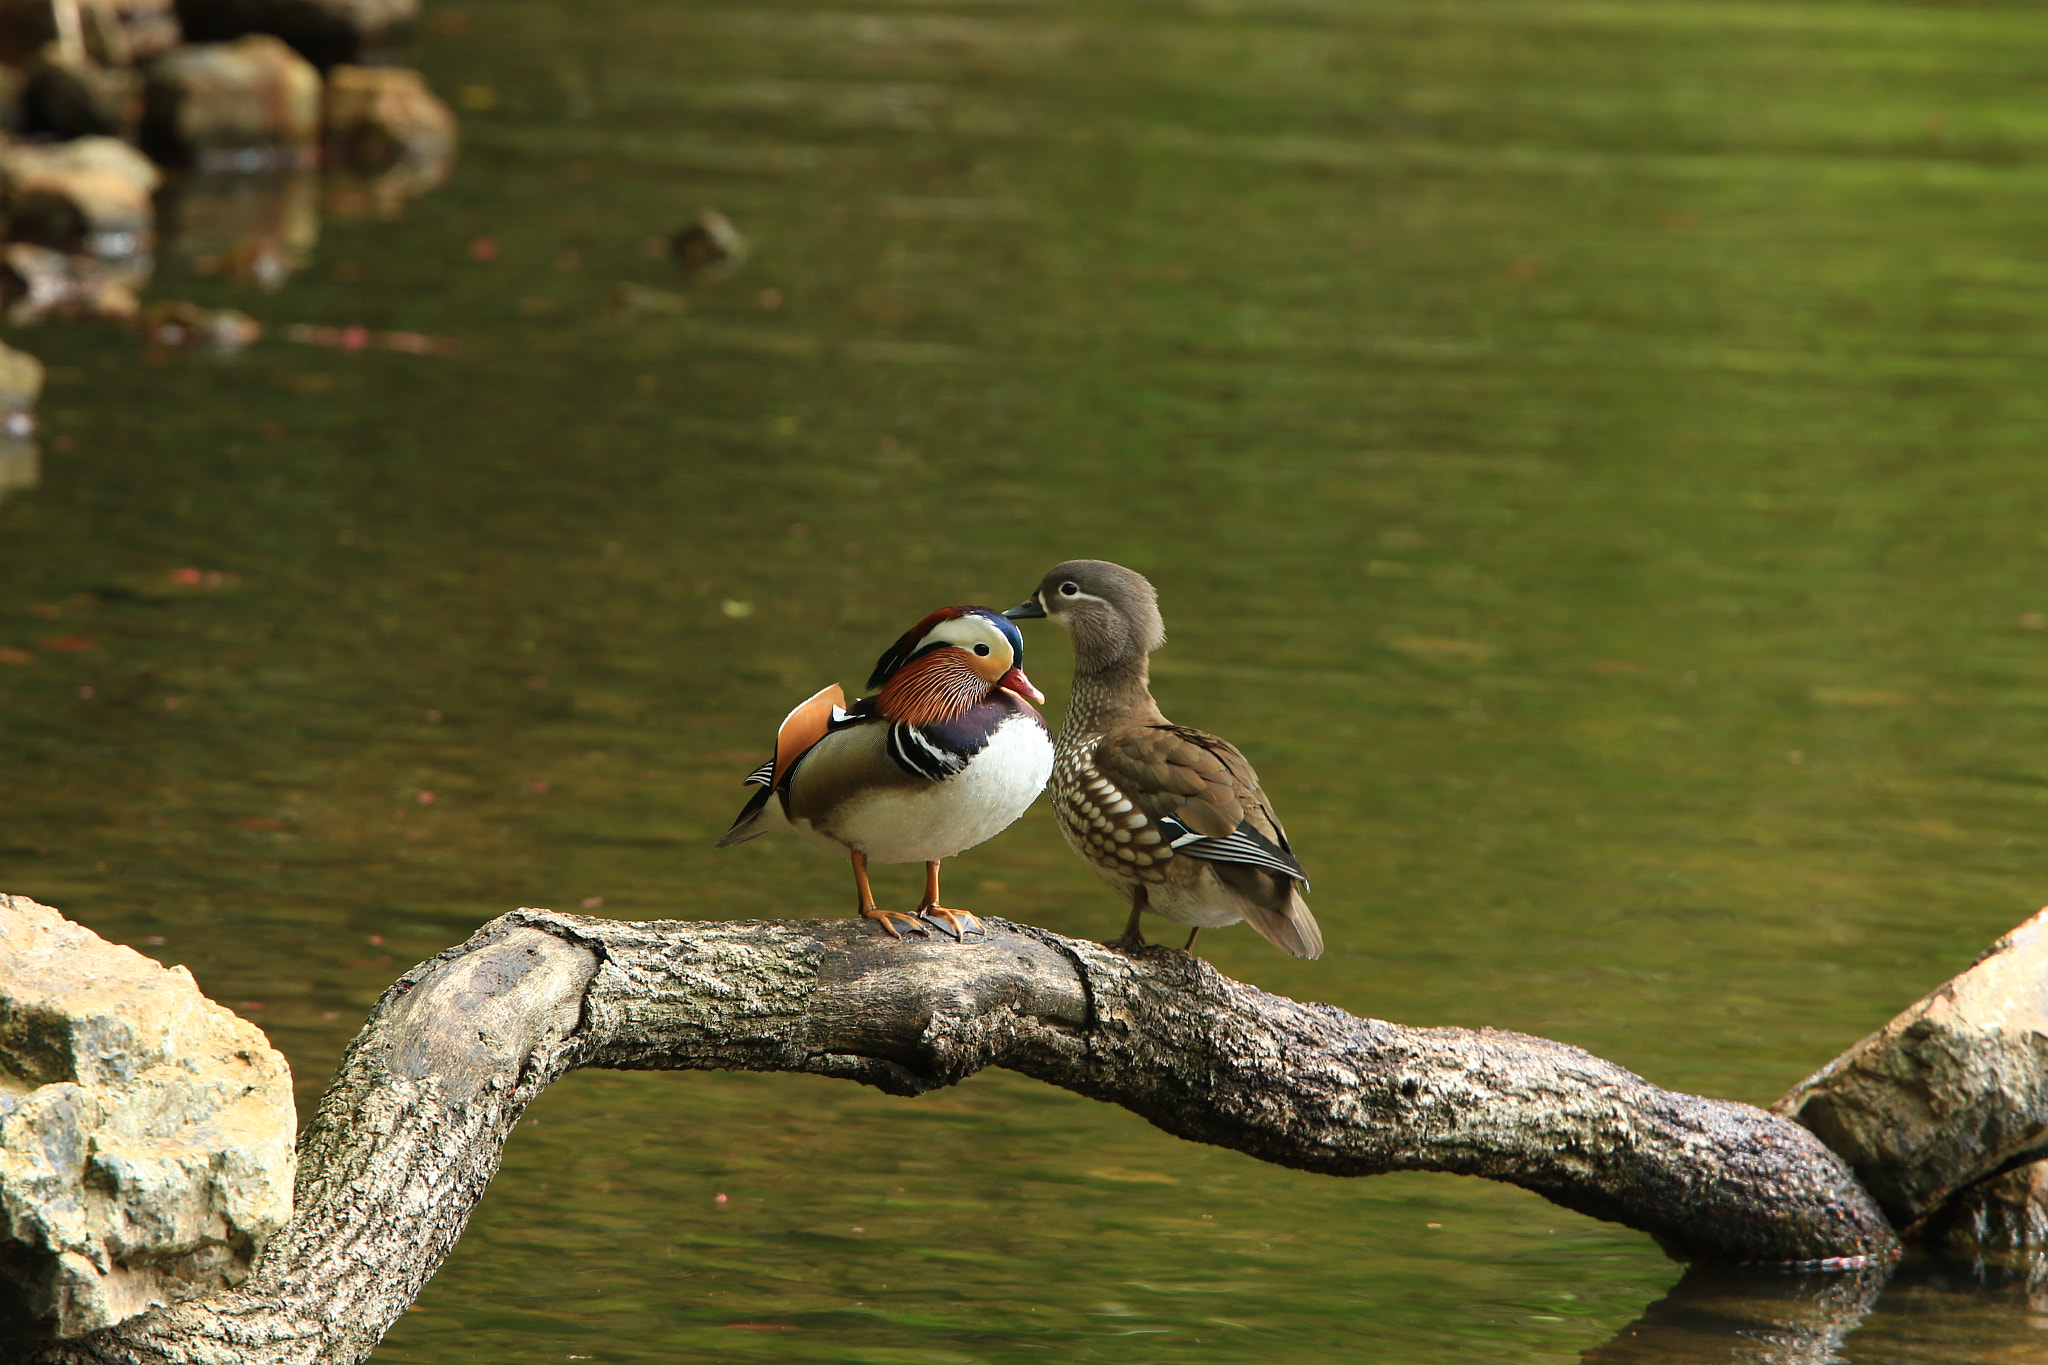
point(412, 1129)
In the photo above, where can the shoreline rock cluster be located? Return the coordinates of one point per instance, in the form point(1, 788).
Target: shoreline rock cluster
point(224, 110)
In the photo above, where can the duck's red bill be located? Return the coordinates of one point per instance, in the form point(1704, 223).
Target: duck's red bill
point(1015, 681)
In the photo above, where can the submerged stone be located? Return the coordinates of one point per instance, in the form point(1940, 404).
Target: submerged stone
point(709, 245)
point(145, 1132)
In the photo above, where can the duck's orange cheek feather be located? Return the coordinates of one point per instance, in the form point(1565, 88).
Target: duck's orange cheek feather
point(932, 689)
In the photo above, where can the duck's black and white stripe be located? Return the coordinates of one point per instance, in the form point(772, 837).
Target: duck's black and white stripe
point(917, 754)
point(1242, 845)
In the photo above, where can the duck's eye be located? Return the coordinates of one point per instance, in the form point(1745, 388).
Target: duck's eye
point(982, 650)
point(1070, 589)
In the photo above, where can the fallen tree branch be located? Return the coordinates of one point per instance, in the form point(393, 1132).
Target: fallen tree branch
point(412, 1129)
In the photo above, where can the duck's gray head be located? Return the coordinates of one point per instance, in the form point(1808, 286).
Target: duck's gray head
point(1112, 611)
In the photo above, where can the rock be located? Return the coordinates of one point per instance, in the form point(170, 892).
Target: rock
point(36, 281)
point(1953, 1089)
point(25, 25)
point(252, 104)
point(326, 32)
point(709, 244)
point(150, 27)
point(106, 32)
point(13, 85)
point(90, 196)
point(67, 97)
point(145, 1132)
point(379, 117)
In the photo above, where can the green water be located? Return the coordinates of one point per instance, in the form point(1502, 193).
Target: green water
point(1590, 453)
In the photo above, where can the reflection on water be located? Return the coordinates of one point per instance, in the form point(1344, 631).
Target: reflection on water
point(1926, 1309)
point(1590, 457)
point(253, 229)
point(21, 465)
point(1747, 1317)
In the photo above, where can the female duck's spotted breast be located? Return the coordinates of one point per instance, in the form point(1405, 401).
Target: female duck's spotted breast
point(1104, 826)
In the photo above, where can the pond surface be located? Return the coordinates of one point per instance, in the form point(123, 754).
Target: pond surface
point(1592, 459)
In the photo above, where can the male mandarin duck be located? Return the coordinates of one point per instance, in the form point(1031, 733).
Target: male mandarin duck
point(1171, 817)
point(946, 753)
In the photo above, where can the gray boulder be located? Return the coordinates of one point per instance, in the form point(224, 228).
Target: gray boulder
point(1954, 1086)
point(145, 1132)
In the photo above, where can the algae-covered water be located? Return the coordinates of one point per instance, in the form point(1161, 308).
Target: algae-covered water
point(1592, 456)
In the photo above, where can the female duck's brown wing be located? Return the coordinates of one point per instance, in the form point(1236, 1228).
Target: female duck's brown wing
point(1206, 803)
point(1202, 792)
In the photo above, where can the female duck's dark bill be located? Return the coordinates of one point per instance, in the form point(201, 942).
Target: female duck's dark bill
point(1027, 610)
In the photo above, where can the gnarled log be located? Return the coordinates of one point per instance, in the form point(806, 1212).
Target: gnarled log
point(412, 1129)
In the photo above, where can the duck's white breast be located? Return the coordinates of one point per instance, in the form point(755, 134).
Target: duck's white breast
point(936, 820)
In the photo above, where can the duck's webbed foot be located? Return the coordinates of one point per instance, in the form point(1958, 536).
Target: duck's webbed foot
point(930, 909)
point(865, 899)
point(953, 919)
point(886, 919)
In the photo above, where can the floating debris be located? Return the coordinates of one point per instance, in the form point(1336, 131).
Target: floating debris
point(195, 577)
point(182, 324)
point(630, 298)
point(363, 339)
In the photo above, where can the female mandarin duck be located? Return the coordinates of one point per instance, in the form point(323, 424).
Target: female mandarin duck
point(1172, 818)
point(946, 754)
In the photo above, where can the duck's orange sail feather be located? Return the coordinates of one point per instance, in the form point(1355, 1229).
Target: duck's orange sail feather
point(803, 727)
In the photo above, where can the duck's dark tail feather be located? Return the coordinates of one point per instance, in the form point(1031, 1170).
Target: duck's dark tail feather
point(749, 824)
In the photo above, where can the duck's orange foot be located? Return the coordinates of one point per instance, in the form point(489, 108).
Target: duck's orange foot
point(952, 918)
point(884, 918)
